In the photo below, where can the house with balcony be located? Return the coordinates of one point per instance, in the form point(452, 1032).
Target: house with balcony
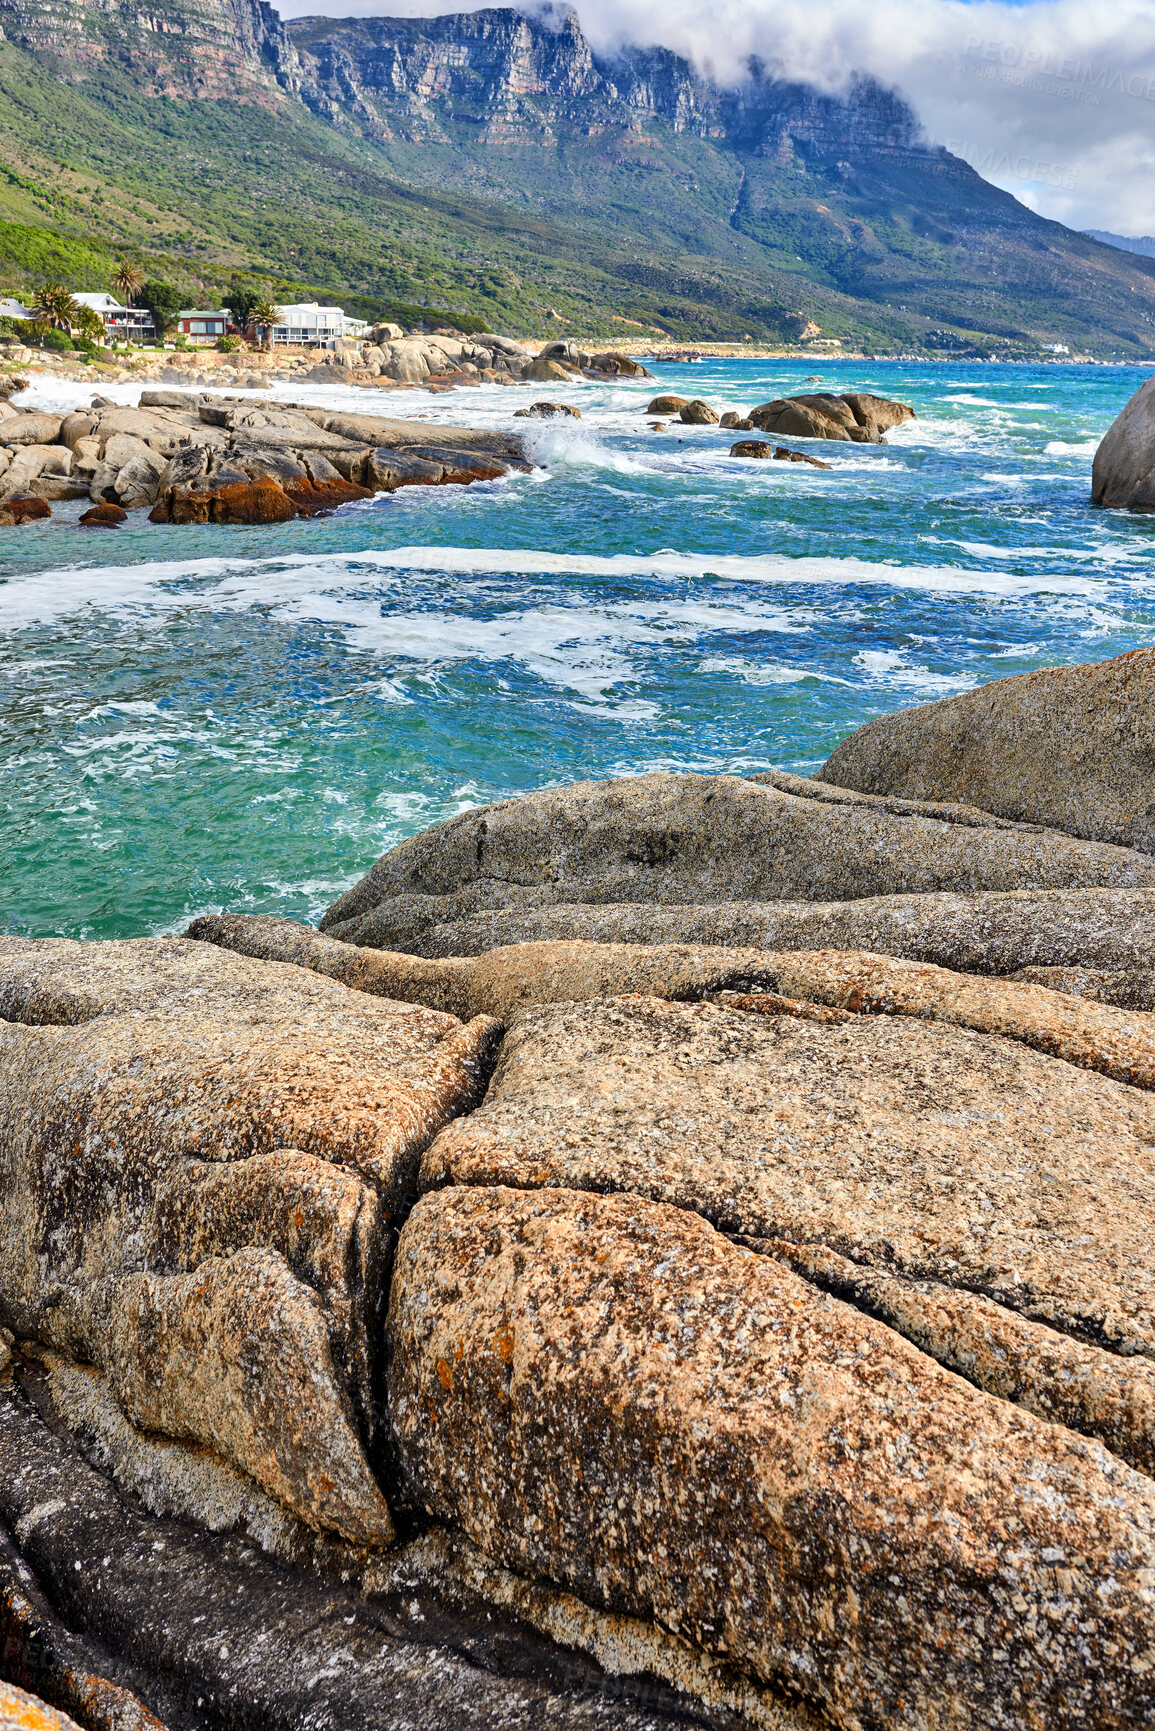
point(201, 327)
point(307, 325)
point(121, 324)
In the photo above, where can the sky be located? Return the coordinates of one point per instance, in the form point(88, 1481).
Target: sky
point(1052, 99)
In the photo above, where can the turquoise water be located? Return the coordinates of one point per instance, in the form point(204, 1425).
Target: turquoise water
point(203, 718)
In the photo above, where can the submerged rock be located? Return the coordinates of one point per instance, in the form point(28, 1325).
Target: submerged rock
point(1069, 746)
point(546, 412)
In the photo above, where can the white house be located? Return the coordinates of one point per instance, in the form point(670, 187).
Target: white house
point(316, 327)
point(123, 324)
point(202, 327)
point(10, 309)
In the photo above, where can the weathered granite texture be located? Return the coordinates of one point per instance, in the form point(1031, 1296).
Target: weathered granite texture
point(22, 1712)
point(219, 1636)
point(1051, 1374)
point(671, 839)
point(1093, 942)
point(607, 1392)
point(920, 1148)
point(199, 1159)
point(503, 981)
point(1068, 746)
point(66, 1670)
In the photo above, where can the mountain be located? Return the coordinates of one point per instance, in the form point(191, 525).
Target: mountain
point(1140, 243)
point(491, 166)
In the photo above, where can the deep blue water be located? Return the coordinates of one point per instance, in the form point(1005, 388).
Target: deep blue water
point(198, 718)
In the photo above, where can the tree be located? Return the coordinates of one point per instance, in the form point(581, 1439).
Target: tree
point(162, 301)
point(128, 281)
point(55, 307)
point(241, 301)
point(90, 325)
point(265, 315)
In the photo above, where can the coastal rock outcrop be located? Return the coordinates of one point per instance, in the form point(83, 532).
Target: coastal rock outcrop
point(855, 416)
point(1068, 746)
point(668, 839)
point(191, 458)
point(1123, 473)
point(608, 1392)
point(199, 1161)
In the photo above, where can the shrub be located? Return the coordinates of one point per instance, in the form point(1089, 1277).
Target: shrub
point(228, 345)
point(59, 342)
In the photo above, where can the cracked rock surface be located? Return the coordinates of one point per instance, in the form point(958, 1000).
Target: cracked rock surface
point(608, 1392)
point(199, 1159)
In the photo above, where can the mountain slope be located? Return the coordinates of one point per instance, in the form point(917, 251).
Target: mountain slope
point(490, 165)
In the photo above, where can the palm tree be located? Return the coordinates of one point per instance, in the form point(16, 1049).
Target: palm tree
point(127, 281)
point(55, 307)
point(265, 315)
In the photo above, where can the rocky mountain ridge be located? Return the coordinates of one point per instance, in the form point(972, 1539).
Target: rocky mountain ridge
point(493, 165)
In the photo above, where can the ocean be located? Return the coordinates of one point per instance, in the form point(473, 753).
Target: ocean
point(245, 718)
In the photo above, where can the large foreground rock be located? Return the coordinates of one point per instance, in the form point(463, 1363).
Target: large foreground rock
point(609, 1393)
point(1123, 473)
point(1069, 746)
point(672, 839)
point(200, 1157)
point(928, 1149)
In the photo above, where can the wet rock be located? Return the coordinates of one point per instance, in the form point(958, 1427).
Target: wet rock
point(608, 1393)
point(783, 455)
point(64, 1670)
point(103, 517)
point(666, 405)
point(546, 412)
point(1073, 747)
point(751, 448)
point(854, 416)
point(698, 414)
point(684, 838)
point(199, 1159)
point(1123, 474)
point(214, 1633)
point(20, 508)
point(735, 422)
point(925, 1149)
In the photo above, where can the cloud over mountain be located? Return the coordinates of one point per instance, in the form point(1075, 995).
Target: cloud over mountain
point(1053, 100)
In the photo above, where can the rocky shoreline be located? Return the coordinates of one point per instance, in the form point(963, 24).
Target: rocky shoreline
point(666, 1251)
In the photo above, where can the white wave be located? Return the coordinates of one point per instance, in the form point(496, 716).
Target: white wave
point(231, 584)
point(1060, 448)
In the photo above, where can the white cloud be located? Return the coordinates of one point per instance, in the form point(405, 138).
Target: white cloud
point(1054, 100)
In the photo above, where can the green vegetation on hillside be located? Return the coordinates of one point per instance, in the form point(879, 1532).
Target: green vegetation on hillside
point(612, 235)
